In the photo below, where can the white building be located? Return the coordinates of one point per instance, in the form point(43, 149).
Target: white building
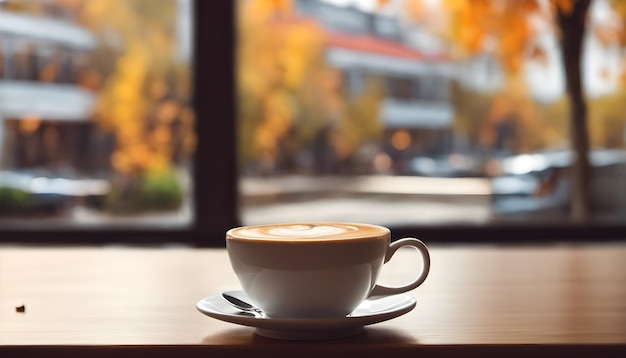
point(27, 45)
point(364, 43)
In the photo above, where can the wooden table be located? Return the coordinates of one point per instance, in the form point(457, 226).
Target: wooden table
point(482, 301)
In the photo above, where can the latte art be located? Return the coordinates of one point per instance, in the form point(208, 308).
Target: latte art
point(308, 232)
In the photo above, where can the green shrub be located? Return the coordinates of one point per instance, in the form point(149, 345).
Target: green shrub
point(160, 190)
point(14, 200)
point(152, 191)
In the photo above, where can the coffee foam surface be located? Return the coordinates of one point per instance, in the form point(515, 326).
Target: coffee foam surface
point(308, 232)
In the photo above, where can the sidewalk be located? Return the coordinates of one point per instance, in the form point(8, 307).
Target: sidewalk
point(384, 200)
point(409, 185)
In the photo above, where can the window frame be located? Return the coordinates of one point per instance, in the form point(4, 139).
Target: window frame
point(215, 170)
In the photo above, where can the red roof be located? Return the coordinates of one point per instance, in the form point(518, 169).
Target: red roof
point(371, 44)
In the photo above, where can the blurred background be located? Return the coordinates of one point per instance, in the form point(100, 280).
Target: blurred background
point(398, 112)
point(96, 126)
point(424, 112)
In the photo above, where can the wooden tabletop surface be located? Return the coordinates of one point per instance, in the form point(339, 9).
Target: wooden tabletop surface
point(478, 300)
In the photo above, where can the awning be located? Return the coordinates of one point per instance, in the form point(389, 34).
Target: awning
point(43, 29)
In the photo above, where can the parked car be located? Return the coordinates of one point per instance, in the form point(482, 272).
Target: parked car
point(540, 183)
point(451, 165)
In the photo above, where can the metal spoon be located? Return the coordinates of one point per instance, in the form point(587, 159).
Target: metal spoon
point(239, 300)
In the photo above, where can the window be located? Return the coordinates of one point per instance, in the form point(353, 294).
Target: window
point(98, 123)
point(241, 177)
point(424, 137)
point(401, 88)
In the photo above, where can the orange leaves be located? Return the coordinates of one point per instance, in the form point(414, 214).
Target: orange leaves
point(498, 26)
point(469, 23)
point(472, 38)
point(514, 38)
point(280, 5)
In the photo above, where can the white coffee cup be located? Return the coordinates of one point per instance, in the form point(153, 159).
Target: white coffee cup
point(315, 270)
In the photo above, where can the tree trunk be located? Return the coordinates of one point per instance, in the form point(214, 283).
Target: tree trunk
point(572, 26)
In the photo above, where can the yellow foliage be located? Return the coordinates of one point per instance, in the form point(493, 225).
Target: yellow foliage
point(266, 141)
point(131, 103)
point(167, 112)
point(121, 162)
point(261, 10)
point(303, 40)
point(287, 94)
point(161, 136)
point(500, 26)
point(280, 57)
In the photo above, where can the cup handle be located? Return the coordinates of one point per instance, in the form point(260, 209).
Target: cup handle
point(379, 290)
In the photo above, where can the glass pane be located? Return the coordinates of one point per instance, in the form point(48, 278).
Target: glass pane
point(423, 112)
point(96, 124)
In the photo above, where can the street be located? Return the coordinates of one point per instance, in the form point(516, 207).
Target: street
point(384, 200)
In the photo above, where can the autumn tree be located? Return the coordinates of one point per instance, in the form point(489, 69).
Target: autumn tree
point(289, 98)
point(279, 68)
point(508, 30)
point(144, 93)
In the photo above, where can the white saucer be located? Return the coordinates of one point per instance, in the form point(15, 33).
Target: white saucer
point(369, 312)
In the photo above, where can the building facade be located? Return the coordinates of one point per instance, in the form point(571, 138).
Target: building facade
point(416, 104)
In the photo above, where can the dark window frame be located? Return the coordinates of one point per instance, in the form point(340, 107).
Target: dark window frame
point(215, 170)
